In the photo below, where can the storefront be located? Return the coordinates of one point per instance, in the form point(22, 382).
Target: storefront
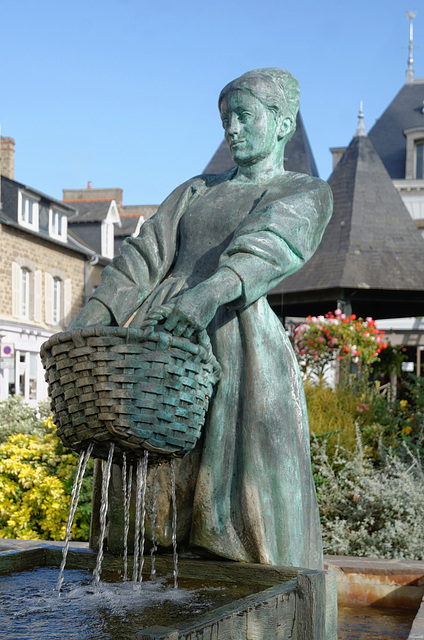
point(21, 371)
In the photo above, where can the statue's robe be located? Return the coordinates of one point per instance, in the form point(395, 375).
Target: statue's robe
point(246, 492)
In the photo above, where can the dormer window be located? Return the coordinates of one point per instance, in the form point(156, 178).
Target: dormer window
point(27, 211)
point(414, 167)
point(419, 159)
point(107, 239)
point(58, 225)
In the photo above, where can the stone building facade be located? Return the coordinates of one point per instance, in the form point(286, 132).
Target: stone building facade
point(46, 275)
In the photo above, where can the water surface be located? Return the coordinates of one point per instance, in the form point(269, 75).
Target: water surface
point(30, 608)
point(371, 623)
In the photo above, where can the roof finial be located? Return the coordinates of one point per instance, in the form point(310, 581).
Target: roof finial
point(360, 131)
point(410, 15)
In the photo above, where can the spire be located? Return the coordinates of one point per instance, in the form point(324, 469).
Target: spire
point(371, 241)
point(360, 131)
point(410, 15)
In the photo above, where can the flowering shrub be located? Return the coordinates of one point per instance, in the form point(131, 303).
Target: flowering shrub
point(36, 477)
point(322, 339)
point(401, 420)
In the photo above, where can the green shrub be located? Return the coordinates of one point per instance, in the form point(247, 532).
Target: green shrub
point(16, 416)
point(335, 413)
point(368, 510)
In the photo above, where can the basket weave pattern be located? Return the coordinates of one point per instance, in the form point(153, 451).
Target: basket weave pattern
point(142, 389)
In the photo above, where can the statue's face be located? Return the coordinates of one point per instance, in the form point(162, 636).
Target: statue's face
point(251, 129)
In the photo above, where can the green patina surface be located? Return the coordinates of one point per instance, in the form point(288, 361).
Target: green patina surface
point(217, 245)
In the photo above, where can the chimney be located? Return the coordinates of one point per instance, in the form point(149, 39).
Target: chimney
point(337, 153)
point(7, 157)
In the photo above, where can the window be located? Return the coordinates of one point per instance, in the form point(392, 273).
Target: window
point(419, 163)
point(58, 225)
point(24, 293)
point(33, 374)
point(107, 239)
point(56, 300)
point(23, 377)
point(28, 211)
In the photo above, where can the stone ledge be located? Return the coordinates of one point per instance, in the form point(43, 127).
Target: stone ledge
point(353, 564)
point(378, 581)
point(417, 629)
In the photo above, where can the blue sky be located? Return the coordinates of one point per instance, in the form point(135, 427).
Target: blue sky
point(124, 92)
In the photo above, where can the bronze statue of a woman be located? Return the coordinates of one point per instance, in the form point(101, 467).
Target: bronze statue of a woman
point(213, 250)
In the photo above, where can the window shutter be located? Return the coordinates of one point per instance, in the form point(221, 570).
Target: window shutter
point(67, 304)
point(38, 308)
point(16, 272)
point(48, 281)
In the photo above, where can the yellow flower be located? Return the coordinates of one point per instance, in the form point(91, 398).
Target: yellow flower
point(403, 404)
point(48, 422)
point(407, 430)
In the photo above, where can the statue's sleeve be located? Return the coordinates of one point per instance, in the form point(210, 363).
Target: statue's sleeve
point(145, 260)
point(277, 238)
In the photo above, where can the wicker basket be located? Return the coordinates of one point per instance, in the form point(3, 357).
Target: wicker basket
point(140, 388)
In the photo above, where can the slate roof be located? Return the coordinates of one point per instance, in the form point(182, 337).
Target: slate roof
point(298, 153)
point(131, 215)
point(128, 226)
point(94, 211)
point(404, 112)
point(9, 214)
point(129, 221)
point(371, 241)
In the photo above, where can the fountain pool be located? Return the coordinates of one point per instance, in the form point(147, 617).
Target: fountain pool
point(215, 599)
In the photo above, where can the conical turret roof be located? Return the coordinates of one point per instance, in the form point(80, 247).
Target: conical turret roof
point(298, 153)
point(371, 242)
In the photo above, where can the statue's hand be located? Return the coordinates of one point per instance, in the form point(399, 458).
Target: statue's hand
point(192, 311)
point(93, 314)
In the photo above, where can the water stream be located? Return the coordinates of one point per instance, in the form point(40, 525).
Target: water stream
point(143, 514)
point(126, 490)
point(153, 519)
point(174, 523)
point(103, 513)
point(140, 514)
point(76, 490)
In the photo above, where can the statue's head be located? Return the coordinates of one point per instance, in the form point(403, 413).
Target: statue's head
point(272, 94)
point(277, 89)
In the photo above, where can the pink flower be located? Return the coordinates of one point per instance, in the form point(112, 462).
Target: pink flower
point(320, 339)
point(338, 312)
